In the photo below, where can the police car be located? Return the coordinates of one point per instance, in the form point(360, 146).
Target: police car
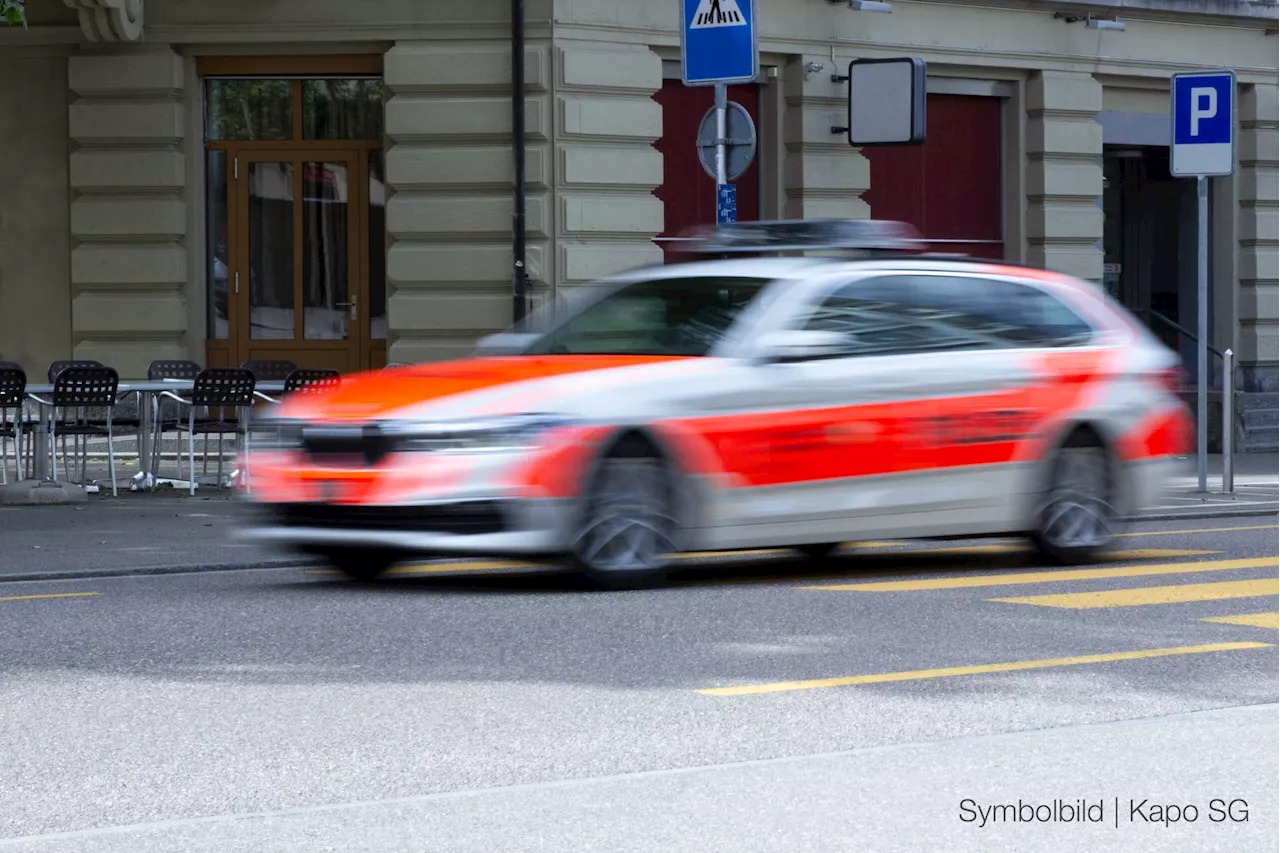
point(850, 387)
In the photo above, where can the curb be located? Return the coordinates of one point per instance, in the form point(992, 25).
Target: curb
point(1196, 512)
point(132, 571)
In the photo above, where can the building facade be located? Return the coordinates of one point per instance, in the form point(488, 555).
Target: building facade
point(330, 181)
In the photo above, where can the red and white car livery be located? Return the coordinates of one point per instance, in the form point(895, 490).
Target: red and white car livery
point(741, 403)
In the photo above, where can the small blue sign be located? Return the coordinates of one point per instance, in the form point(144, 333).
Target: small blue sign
point(1202, 109)
point(726, 203)
point(718, 42)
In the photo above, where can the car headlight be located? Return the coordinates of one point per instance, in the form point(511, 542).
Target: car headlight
point(497, 435)
point(275, 434)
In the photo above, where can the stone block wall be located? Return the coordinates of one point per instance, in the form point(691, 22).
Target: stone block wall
point(1064, 173)
point(128, 208)
point(450, 170)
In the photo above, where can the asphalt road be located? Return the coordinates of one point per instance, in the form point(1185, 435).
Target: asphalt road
point(885, 699)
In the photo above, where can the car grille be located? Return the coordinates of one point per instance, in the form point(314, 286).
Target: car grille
point(471, 517)
point(330, 443)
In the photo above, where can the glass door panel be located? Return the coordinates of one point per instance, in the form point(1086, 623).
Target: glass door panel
point(327, 291)
point(271, 267)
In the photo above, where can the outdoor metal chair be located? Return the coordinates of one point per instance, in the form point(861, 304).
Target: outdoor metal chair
point(159, 370)
point(76, 389)
point(269, 370)
point(13, 393)
point(58, 366)
point(310, 381)
point(215, 388)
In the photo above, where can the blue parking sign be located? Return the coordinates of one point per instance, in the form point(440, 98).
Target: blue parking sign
point(718, 42)
point(726, 203)
point(1203, 112)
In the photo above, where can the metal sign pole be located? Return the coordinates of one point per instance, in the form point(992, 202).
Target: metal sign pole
point(1202, 345)
point(1228, 423)
point(722, 107)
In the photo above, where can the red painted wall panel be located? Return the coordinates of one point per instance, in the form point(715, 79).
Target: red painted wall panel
point(950, 187)
point(688, 194)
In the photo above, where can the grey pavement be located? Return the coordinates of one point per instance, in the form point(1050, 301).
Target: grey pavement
point(503, 710)
point(967, 794)
point(136, 531)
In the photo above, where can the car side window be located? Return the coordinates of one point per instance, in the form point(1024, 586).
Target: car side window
point(922, 313)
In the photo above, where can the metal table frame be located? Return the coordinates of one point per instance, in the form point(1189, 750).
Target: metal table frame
point(147, 391)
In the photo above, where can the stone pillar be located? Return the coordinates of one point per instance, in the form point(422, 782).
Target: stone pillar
point(1064, 173)
point(35, 293)
point(606, 167)
point(823, 177)
point(1259, 222)
point(128, 209)
point(450, 170)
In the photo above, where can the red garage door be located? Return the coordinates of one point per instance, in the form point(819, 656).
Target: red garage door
point(688, 194)
point(949, 187)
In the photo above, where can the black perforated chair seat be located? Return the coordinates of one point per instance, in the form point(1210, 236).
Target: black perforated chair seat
point(310, 381)
point(269, 370)
point(58, 366)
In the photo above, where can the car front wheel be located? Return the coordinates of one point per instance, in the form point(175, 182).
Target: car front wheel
point(627, 533)
point(361, 564)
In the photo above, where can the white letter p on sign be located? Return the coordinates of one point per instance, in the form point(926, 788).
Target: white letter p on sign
point(1204, 104)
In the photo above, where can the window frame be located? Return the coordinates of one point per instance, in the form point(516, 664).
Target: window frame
point(799, 318)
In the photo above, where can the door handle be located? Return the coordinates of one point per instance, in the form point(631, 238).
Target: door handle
point(351, 305)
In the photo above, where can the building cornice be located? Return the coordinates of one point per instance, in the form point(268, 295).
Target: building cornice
point(109, 20)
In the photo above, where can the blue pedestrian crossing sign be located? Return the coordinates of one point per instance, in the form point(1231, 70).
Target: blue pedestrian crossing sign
point(718, 42)
point(1203, 113)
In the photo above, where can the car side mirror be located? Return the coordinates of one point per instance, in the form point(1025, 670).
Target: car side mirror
point(801, 345)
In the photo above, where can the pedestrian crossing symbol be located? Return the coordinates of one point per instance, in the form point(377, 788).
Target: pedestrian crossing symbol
point(718, 44)
point(717, 13)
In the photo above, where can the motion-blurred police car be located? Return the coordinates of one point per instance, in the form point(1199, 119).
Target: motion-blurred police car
point(743, 402)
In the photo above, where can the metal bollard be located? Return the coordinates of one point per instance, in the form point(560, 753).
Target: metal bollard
point(1228, 424)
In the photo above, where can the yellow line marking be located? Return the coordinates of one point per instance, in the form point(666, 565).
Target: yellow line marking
point(694, 555)
point(1153, 595)
point(1253, 620)
point(981, 669)
point(49, 595)
point(1061, 576)
point(438, 568)
point(1200, 530)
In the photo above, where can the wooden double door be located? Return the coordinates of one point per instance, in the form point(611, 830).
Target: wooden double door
point(302, 246)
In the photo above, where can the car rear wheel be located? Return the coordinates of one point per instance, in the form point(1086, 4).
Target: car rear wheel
point(628, 528)
point(1078, 520)
point(361, 564)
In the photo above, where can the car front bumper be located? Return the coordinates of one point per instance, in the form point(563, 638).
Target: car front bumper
point(503, 526)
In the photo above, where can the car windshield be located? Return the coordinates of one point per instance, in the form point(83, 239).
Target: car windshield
point(669, 316)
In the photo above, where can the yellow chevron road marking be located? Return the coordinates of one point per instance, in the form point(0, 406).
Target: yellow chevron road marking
point(1253, 620)
point(1056, 576)
point(981, 669)
point(1144, 596)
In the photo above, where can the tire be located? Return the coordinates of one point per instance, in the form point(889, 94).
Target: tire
point(359, 564)
point(818, 550)
point(1077, 521)
point(627, 529)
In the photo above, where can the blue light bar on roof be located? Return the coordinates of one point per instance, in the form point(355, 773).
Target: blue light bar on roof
point(798, 235)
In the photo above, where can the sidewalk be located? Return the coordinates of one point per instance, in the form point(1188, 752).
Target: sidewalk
point(137, 533)
point(1256, 488)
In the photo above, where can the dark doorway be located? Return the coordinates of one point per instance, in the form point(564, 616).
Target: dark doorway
point(1149, 243)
